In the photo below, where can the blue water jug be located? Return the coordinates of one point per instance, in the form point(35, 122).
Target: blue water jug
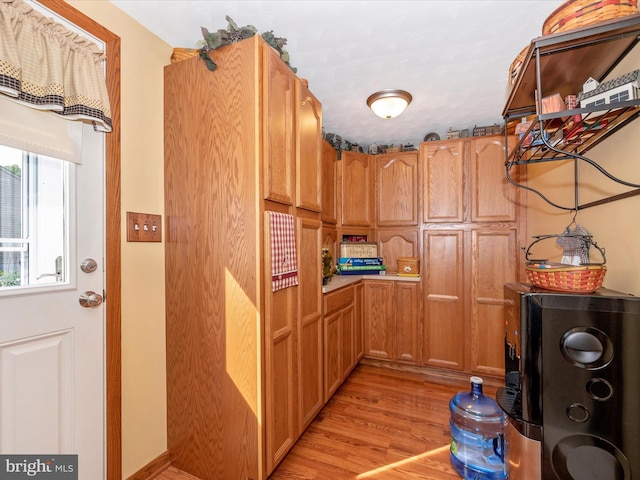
point(477, 435)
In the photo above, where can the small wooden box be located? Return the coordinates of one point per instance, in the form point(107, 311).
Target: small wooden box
point(409, 266)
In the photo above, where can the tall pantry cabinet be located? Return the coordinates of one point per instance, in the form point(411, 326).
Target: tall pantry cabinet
point(244, 365)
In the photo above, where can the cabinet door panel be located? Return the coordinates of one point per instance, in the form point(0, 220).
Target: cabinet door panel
point(493, 198)
point(280, 391)
point(407, 327)
point(332, 356)
point(356, 190)
point(443, 274)
point(396, 180)
point(310, 386)
point(397, 243)
point(493, 263)
point(378, 314)
point(309, 149)
point(443, 181)
point(348, 357)
point(358, 332)
point(329, 183)
point(278, 137)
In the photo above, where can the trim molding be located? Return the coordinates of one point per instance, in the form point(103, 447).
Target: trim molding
point(152, 469)
point(113, 265)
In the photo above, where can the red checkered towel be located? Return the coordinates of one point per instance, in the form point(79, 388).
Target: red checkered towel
point(284, 264)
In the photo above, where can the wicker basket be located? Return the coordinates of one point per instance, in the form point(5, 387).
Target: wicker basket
point(516, 65)
point(565, 278)
point(580, 13)
point(581, 279)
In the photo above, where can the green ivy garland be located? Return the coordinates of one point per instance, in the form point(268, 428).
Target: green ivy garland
point(234, 34)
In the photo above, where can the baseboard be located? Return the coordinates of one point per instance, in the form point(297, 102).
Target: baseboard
point(436, 375)
point(152, 469)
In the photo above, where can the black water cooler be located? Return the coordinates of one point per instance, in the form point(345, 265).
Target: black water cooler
point(572, 384)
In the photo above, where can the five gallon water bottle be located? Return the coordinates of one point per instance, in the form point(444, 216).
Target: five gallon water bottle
point(477, 435)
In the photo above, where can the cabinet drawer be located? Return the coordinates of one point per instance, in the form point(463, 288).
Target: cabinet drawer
point(338, 299)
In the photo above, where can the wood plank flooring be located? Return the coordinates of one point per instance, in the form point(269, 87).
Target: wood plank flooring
point(380, 424)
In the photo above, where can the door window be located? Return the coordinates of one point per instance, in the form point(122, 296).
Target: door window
point(34, 220)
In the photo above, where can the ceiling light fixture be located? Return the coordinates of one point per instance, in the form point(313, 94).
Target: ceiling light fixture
point(389, 103)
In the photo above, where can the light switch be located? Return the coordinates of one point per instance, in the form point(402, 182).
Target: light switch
point(144, 227)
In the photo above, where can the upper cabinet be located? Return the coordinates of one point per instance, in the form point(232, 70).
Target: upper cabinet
point(559, 65)
point(356, 190)
point(278, 139)
point(308, 148)
point(396, 189)
point(443, 181)
point(329, 183)
point(493, 198)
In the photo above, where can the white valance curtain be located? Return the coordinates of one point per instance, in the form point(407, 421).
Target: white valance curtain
point(48, 67)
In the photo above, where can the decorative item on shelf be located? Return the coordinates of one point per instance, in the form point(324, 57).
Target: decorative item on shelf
point(431, 137)
point(452, 134)
point(361, 266)
point(562, 277)
point(335, 140)
point(409, 266)
point(358, 250)
point(580, 13)
point(394, 148)
point(382, 149)
point(494, 129)
point(327, 268)
point(233, 34)
point(619, 89)
point(373, 149)
point(408, 147)
point(464, 133)
point(516, 66)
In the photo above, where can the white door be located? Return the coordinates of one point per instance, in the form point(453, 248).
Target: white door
point(52, 348)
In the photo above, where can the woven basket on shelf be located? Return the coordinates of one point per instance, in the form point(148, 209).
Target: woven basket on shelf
point(580, 279)
point(580, 13)
point(516, 65)
point(565, 278)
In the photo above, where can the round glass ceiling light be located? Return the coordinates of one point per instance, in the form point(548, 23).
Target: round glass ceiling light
point(389, 103)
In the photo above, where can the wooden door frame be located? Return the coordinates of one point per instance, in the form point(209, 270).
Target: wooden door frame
point(112, 235)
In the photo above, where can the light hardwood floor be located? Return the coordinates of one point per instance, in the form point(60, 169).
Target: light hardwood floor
point(380, 424)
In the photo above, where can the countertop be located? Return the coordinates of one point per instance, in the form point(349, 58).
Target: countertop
point(339, 281)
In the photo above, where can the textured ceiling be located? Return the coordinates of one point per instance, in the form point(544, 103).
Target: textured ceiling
point(453, 56)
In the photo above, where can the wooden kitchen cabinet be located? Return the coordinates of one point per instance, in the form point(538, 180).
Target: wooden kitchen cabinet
point(396, 189)
point(308, 148)
point(340, 337)
point(392, 320)
point(278, 142)
point(329, 183)
point(356, 190)
point(444, 298)
point(310, 337)
point(394, 243)
point(494, 262)
point(467, 261)
point(493, 198)
point(244, 363)
point(443, 180)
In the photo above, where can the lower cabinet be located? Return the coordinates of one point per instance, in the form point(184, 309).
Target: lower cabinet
point(342, 335)
point(392, 326)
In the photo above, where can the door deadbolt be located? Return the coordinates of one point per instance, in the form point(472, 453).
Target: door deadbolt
point(88, 265)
